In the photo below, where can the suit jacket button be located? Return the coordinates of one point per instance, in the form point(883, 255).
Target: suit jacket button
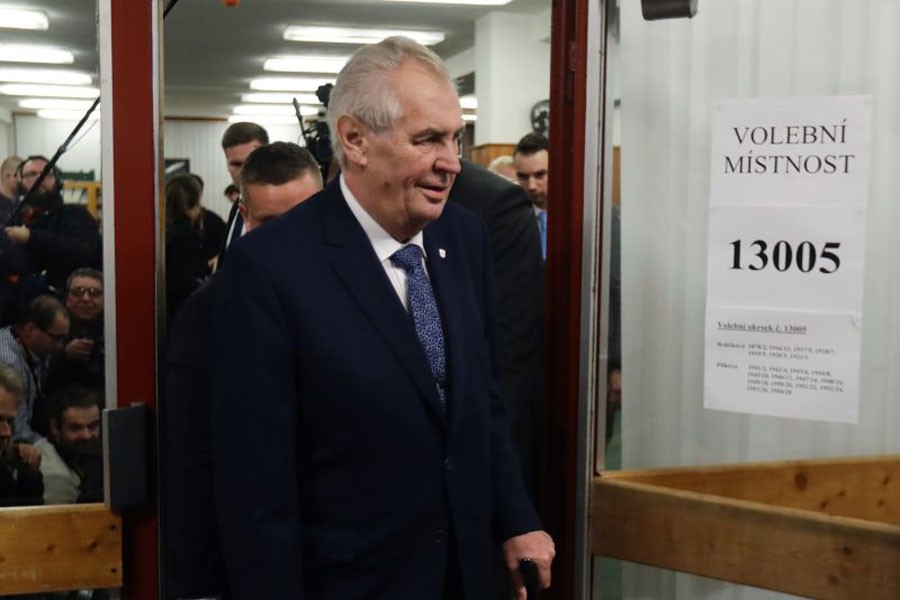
point(448, 464)
point(438, 536)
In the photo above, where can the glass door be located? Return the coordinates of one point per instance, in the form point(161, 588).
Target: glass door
point(750, 141)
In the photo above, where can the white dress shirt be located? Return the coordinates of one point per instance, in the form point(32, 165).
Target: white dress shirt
point(383, 244)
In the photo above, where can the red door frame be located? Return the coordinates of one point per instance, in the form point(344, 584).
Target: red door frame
point(135, 183)
point(564, 283)
point(135, 180)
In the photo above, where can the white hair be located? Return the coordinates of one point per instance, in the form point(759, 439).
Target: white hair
point(365, 91)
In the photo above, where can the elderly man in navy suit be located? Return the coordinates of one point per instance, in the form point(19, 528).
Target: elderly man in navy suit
point(376, 461)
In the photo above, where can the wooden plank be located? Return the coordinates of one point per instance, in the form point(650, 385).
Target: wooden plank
point(483, 154)
point(860, 487)
point(55, 548)
point(782, 549)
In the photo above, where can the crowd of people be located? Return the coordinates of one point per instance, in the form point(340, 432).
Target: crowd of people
point(52, 376)
point(331, 391)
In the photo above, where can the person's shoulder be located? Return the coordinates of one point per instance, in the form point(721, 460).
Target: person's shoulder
point(484, 192)
point(296, 228)
point(51, 461)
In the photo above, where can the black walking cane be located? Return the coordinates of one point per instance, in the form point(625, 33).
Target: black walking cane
point(531, 579)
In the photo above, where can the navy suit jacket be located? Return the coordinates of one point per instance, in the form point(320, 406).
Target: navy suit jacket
point(337, 473)
point(194, 566)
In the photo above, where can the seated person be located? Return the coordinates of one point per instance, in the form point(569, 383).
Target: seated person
point(72, 464)
point(82, 360)
point(26, 347)
point(20, 475)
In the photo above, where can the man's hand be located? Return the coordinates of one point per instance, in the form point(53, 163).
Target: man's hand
point(27, 456)
point(80, 348)
point(535, 545)
point(18, 234)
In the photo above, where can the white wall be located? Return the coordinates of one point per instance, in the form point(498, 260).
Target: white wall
point(43, 136)
point(512, 73)
point(200, 142)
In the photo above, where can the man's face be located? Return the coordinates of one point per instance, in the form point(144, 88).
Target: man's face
point(80, 428)
point(45, 341)
point(263, 201)
point(406, 173)
point(85, 299)
point(30, 172)
point(8, 407)
point(235, 157)
point(531, 173)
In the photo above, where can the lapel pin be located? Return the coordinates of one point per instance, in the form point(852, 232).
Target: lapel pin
point(442, 253)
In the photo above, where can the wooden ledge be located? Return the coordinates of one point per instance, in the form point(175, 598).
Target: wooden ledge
point(55, 548)
point(823, 528)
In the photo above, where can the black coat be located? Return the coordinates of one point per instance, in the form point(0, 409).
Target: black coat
point(64, 237)
point(515, 244)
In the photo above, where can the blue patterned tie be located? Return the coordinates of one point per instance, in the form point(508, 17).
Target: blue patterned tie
point(424, 312)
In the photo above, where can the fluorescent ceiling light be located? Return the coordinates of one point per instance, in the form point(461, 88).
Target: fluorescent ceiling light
point(288, 84)
point(17, 18)
point(55, 104)
point(470, 2)
point(469, 118)
point(306, 64)
point(51, 91)
point(274, 109)
point(276, 98)
point(468, 102)
point(55, 76)
point(72, 115)
point(35, 54)
point(356, 35)
point(266, 120)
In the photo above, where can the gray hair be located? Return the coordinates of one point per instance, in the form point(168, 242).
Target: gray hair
point(11, 381)
point(364, 91)
point(504, 160)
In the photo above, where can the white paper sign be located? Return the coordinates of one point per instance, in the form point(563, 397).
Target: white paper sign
point(798, 258)
point(791, 151)
point(788, 194)
point(781, 363)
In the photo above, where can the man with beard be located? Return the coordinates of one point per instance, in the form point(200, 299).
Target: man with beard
point(58, 238)
point(71, 466)
point(20, 475)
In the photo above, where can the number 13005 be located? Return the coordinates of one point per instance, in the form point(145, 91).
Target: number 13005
point(782, 256)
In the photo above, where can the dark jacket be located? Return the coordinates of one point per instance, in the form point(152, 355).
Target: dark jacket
point(338, 474)
point(64, 237)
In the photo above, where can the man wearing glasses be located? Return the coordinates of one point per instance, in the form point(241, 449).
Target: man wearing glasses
point(81, 361)
point(26, 347)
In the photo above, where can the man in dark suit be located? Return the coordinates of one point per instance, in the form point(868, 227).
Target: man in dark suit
point(515, 243)
point(376, 462)
point(238, 141)
point(274, 178)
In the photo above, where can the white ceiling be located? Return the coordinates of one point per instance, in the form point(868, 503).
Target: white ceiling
point(212, 51)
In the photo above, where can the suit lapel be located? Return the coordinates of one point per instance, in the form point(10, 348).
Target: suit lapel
point(352, 257)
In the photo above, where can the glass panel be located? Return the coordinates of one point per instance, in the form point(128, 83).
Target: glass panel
point(55, 344)
point(51, 293)
point(670, 75)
